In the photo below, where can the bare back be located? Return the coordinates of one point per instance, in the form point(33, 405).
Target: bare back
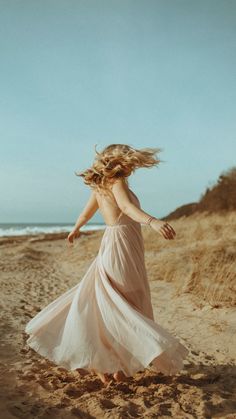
point(108, 206)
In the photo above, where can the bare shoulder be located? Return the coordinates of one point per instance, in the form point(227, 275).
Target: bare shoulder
point(115, 189)
point(119, 184)
point(93, 191)
point(101, 194)
point(121, 193)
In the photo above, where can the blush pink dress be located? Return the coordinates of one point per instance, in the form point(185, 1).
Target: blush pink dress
point(105, 322)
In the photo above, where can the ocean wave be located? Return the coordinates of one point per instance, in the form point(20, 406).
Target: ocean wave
point(21, 230)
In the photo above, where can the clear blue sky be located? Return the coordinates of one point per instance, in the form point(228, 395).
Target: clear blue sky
point(74, 73)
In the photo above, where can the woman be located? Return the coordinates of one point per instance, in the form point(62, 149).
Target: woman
point(105, 323)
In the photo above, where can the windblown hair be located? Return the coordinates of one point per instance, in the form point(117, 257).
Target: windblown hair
point(115, 161)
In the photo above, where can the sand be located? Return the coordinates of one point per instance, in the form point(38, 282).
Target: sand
point(192, 297)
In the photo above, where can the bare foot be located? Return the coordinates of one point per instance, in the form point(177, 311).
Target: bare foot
point(103, 377)
point(119, 376)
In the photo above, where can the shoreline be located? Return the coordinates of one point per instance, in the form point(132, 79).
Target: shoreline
point(42, 236)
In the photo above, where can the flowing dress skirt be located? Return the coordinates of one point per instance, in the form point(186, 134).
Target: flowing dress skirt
point(105, 323)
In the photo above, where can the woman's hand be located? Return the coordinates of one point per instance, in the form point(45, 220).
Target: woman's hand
point(72, 235)
point(163, 228)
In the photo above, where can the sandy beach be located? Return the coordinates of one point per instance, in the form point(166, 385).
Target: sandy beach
point(192, 281)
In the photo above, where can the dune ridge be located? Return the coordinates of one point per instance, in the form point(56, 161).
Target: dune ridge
point(219, 198)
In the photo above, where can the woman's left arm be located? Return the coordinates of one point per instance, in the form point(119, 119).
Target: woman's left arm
point(87, 213)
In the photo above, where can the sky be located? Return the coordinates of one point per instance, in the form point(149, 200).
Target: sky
point(148, 73)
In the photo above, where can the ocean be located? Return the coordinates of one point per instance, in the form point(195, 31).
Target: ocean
point(20, 229)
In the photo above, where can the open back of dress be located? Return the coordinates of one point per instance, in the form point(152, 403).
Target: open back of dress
point(105, 322)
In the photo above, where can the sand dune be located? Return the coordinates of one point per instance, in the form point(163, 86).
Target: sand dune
point(219, 198)
point(192, 280)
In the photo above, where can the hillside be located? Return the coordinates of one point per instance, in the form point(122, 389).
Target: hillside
point(221, 197)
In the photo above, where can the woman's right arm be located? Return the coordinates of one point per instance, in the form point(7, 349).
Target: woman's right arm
point(120, 192)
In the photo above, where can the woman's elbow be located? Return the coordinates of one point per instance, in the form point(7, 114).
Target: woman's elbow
point(125, 208)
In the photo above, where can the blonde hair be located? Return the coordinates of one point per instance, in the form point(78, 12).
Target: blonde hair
point(115, 161)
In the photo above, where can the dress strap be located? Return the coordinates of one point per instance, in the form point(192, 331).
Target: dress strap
point(118, 218)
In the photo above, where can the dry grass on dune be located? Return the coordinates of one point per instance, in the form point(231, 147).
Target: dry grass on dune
point(200, 260)
point(219, 198)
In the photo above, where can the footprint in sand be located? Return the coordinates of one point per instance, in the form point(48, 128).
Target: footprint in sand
point(107, 404)
point(73, 391)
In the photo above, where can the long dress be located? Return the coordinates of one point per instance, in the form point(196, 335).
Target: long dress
point(105, 323)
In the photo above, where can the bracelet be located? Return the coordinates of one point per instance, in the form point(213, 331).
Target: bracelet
point(150, 219)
